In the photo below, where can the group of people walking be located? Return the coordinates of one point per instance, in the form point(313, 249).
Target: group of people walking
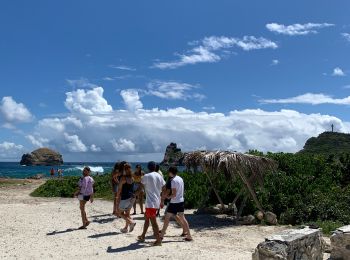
point(130, 188)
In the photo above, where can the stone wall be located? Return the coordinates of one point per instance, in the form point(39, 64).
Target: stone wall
point(340, 243)
point(292, 244)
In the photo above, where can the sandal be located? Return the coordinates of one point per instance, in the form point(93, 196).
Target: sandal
point(157, 243)
point(132, 226)
point(183, 235)
point(188, 239)
point(82, 227)
point(124, 230)
point(140, 239)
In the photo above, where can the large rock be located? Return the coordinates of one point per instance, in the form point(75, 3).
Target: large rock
point(292, 244)
point(42, 156)
point(340, 244)
point(270, 218)
point(173, 156)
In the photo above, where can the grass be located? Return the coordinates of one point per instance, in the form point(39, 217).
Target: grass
point(329, 226)
point(12, 182)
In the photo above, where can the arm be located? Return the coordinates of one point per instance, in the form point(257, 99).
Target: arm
point(173, 193)
point(92, 195)
point(120, 186)
point(163, 196)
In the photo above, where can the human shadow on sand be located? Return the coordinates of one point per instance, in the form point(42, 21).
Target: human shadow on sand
point(104, 235)
point(62, 232)
point(200, 222)
point(131, 247)
point(136, 246)
point(102, 215)
point(104, 220)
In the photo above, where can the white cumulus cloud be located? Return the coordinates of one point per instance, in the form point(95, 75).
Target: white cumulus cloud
point(10, 151)
point(338, 72)
point(74, 144)
point(297, 29)
point(88, 102)
point(144, 133)
point(208, 50)
point(95, 148)
point(346, 36)
point(37, 141)
point(131, 99)
point(13, 112)
point(123, 145)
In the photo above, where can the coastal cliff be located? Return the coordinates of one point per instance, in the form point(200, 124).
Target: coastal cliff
point(173, 156)
point(42, 156)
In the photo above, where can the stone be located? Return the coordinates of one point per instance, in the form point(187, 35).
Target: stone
point(259, 215)
point(173, 156)
point(247, 220)
point(270, 218)
point(42, 156)
point(37, 176)
point(292, 244)
point(340, 243)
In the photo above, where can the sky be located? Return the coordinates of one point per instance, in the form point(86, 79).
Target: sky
point(119, 80)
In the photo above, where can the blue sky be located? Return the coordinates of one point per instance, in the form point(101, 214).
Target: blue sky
point(109, 80)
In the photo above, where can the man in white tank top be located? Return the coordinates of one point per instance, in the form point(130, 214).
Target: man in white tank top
point(176, 206)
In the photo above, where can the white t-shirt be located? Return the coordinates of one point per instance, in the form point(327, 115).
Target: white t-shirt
point(178, 184)
point(153, 183)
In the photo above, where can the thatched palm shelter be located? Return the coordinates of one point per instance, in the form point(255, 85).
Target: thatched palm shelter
point(249, 168)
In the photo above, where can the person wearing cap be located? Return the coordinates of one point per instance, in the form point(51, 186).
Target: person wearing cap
point(85, 193)
point(153, 184)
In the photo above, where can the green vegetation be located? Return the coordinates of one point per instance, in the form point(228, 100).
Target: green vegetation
point(305, 189)
point(328, 143)
point(66, 187)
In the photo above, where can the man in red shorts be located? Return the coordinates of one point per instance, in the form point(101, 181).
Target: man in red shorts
point(153, 184)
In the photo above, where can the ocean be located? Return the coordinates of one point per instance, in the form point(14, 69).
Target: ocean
point(15, 170)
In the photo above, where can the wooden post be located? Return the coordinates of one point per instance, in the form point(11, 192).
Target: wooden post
point(251, 190)
point(215, 191)
point(242, 206)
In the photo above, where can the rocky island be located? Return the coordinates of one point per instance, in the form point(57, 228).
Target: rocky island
point(42, 156)
point(173, 156)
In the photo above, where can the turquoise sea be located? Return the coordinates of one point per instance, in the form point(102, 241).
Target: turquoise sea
point(15, 170)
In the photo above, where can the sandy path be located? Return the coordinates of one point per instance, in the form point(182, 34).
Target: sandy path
point(42, 228)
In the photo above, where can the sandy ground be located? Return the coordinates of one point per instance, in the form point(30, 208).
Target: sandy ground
point(44, 228)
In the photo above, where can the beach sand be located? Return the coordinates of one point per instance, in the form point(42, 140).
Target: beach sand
point(44, 228)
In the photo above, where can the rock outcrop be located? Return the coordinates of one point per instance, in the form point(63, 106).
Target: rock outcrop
point(42, 156)
point(292, 244)
point(340, 243)
point(173, 156)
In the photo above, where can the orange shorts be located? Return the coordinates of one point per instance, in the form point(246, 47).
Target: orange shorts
point(151, 213)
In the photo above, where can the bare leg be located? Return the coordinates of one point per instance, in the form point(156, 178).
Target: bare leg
point(134, 206)
point(186, 227)
point(83, 212)
point(140, 198)
point(178, 220)
point(166, 223)
point(156, 230)
point(145, 228)
point(115, 204)
point(125, 217)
